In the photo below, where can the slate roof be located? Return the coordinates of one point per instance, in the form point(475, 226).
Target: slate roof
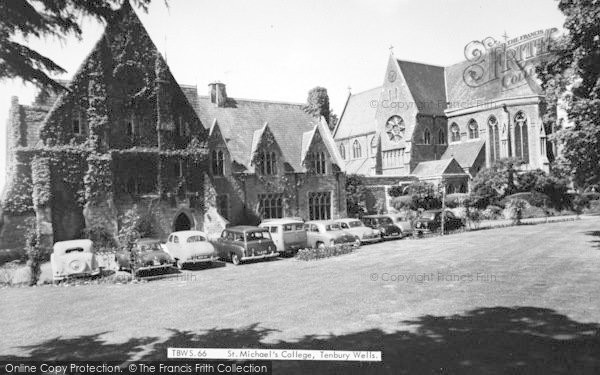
point(239, 119)
point(427, 86)
point(462, 95)
point(437, 168)
point(358, 116)
point(465, 153)
point(360, 166)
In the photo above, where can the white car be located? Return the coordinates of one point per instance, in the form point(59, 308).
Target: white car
point(73, 258)
point(190, 247)
point(357, 228)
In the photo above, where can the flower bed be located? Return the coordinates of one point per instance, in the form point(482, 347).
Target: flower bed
point(330, 251)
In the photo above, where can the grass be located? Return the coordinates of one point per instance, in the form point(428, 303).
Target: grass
point(517, 299)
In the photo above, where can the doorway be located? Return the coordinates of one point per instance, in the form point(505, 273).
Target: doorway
point(182, 222)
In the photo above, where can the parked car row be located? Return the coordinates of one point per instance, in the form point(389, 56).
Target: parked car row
point(242, 243)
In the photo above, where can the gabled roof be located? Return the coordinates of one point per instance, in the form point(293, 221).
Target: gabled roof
point(239, 119)
point(427, 86)
point(465, 153)
point(438, 168)
point(360, 166)
point(359, 114)
point(322, 129)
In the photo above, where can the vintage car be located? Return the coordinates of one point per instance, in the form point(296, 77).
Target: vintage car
point(190, 247)
point(287, 233)
point(403, 223)
point(431, 221)
point(145, 254)
point(73, 258)
point(358, 228)
point(323, 233)
point(244, 242)
point(384, 224)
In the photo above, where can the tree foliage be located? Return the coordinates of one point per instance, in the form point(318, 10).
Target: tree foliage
point(356, 196)
point(571, 76)
point(25, 19)
point(317, 104)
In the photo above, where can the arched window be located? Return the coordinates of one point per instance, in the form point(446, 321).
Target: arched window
point(494, 135)
point(441, 137)
point(356, 150)
point(473, 129)
point(455, 130)
point(343, 151)
point(450, 189)
point(217, 162)
point(374, 145)
point(521, 137)
point(427, 137)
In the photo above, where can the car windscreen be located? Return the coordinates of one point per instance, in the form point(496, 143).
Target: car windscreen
point(385, 220)
point(332, 227)
point(355, 224)
point(255, 236)
point(196, 239)
point(428, 215)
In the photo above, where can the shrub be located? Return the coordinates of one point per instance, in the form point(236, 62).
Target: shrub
point(533, 198)
point(101, 237)
point(401, 203)
point(137, 223)
point(516, 207)
point(473, 217)
point(492, 212)
point(455, 200)
point(397, 191)
point(330, 251)
point(356, 196)
point(591, 196)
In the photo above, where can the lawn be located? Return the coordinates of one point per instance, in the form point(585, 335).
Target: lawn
point(519, 299)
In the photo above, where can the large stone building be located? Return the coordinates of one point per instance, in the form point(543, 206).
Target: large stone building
point(125, 133)
point(438, 123)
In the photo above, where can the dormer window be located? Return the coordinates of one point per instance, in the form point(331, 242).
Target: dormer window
point(268, 163)
point(319, 162)
point(218, 158)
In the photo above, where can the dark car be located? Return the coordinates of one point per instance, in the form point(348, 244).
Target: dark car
point(145, 254)
point(431, 221)
point(241, 243)
point(384, 224)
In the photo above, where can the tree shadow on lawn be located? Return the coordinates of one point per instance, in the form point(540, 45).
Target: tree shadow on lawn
point(482, 341)
point(595, 234)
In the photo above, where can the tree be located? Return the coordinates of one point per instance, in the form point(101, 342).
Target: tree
point(356, 196)
point(317, 104)
point(25, 19)
point(572, 75)
point(495, 182)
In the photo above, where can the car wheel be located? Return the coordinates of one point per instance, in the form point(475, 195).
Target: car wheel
point(357, 243)
point(320, 245)
point(179, 264)
point(235, 259)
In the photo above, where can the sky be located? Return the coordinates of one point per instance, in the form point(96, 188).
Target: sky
point(279, 50)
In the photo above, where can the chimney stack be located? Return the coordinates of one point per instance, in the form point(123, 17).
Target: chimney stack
point(217, 94)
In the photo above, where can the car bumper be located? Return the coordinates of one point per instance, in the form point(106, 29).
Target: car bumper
point(201, 260)
point(370, 240)
point(392, 236)
point(76, 275)
point(262, 256)
point(154, 267)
